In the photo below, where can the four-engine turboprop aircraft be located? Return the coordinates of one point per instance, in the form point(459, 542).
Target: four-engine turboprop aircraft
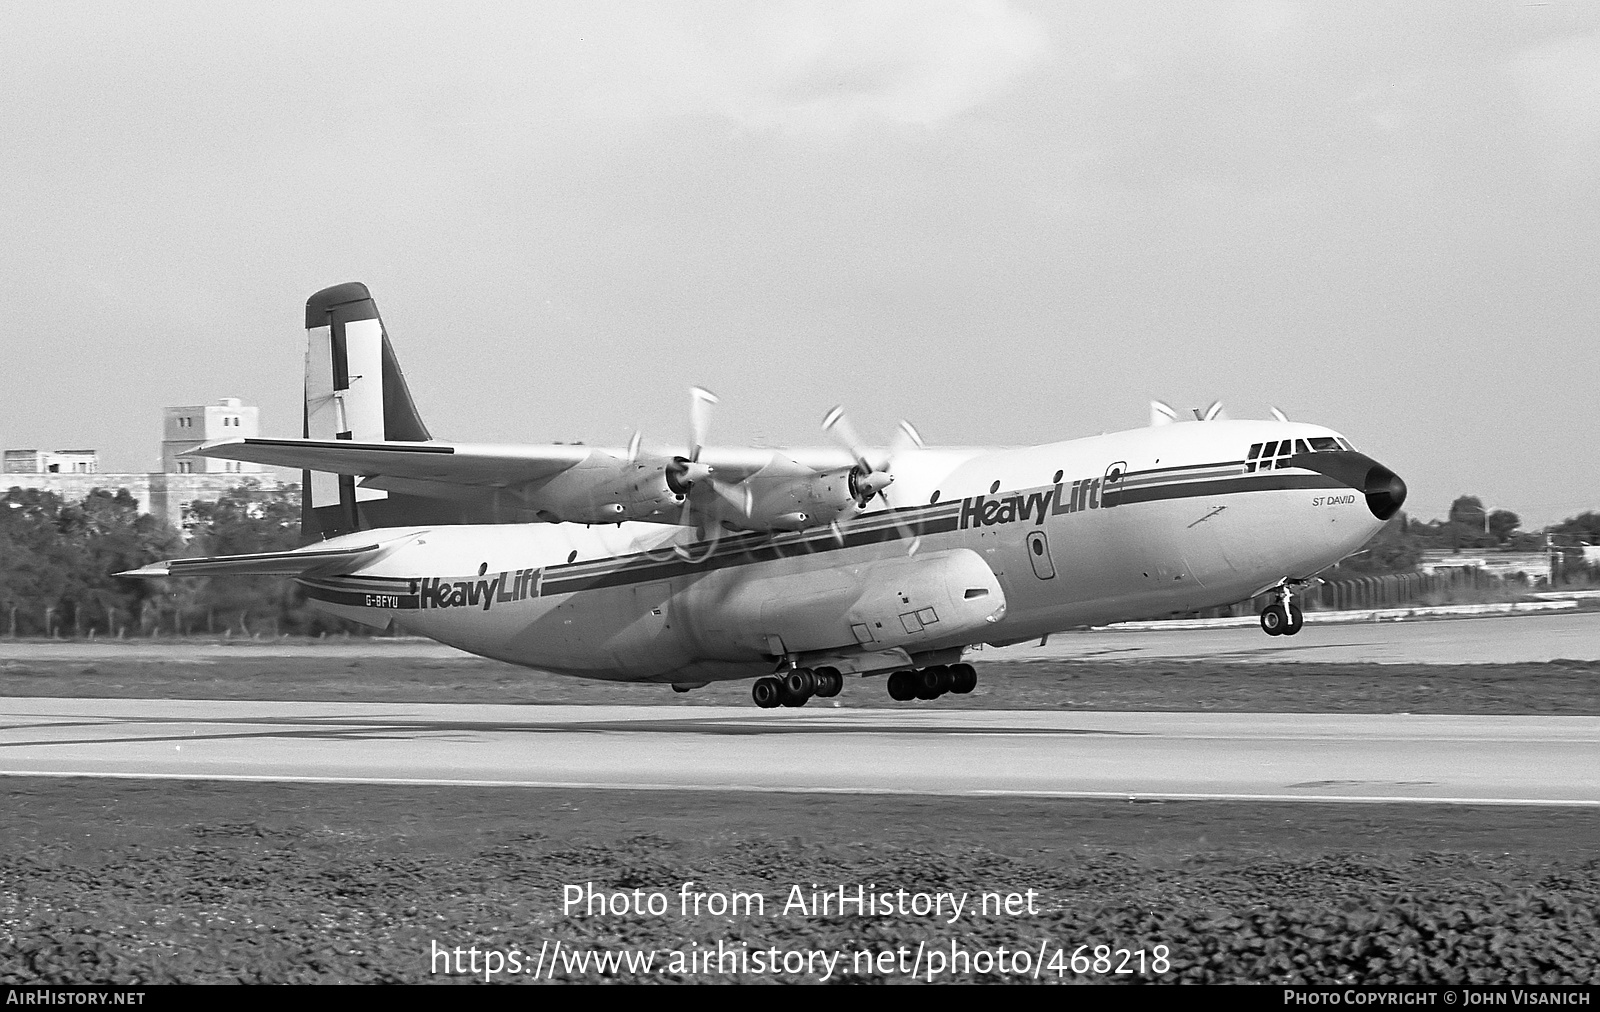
point(795, 567)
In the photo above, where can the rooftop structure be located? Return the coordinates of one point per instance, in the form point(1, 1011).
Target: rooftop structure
point(184, 428)
point(46, 462)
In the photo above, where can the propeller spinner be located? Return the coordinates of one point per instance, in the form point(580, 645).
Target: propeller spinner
point(865, 481)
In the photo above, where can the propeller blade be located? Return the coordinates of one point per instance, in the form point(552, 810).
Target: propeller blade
point(1211, 413)
point(1162, 413)
point(835, 424)
point(739, 496)
point(1279, 415)
point(906, 438)
point(633, 446)
point(700, 402)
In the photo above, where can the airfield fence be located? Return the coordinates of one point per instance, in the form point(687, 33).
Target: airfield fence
point(1393, 590)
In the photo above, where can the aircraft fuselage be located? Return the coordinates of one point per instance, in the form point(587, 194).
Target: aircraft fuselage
point(981, 546)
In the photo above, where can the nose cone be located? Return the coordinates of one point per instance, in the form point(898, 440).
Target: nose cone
point(1386, 492)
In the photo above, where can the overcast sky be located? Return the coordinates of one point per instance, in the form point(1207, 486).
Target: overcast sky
point(1008, 222)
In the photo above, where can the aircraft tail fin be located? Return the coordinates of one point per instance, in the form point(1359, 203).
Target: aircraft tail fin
point(354, 390)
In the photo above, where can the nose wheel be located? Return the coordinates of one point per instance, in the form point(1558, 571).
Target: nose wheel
point(1283, 618)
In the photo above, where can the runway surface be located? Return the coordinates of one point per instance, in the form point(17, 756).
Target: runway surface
point(1509, 639)
point(1456, 759)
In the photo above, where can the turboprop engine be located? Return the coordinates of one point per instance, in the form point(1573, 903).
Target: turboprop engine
point(793, 503)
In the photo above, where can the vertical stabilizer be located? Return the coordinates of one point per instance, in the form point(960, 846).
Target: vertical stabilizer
point(354, 390)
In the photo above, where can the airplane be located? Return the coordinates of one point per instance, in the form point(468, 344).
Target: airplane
point(793, 567)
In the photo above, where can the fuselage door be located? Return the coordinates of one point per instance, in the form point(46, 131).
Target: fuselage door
point(1111, 485)
point(1039, 555)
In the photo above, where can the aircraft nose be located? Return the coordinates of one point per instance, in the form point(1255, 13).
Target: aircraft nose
point(1385, 490)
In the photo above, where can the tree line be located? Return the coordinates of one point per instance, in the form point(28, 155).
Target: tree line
point(1471, 528)
point(57, 561)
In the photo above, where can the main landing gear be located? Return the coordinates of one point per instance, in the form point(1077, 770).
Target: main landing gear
point(933, 682)
point(1283, 618)
point(796, 686)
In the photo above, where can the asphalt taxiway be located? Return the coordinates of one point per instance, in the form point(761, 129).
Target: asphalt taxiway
point(1530, 760)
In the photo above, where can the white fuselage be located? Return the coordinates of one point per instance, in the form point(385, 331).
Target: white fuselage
point(981, 546)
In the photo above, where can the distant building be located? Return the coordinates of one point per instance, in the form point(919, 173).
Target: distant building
point(73, 474)
point(59, 462)
point(1534, 565)
point(184, 428)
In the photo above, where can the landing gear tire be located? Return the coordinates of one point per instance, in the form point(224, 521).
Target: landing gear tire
point(766, 692)
point(1297, 619)
point(829, 682)
point(902, 686)
point(933, 682)
point(800, 682)
point(963, 678)
point(1274, 620)
point(799, 685)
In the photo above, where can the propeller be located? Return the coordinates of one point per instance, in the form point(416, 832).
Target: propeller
point(1162, 413)
point(1279, 415)
point(683, 472)
point(865, 481)
point(1210, 414)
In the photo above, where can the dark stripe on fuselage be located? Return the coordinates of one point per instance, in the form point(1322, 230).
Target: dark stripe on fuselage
point(742, 550)
point(1224, 486)
point(1181, 467)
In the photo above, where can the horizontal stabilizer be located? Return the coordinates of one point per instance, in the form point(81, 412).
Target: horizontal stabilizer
point(264, 563)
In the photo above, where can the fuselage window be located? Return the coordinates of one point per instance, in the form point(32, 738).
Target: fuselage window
point(1271, 450)
point(1300, 446)
point(1320, 443)
point(1250, 460)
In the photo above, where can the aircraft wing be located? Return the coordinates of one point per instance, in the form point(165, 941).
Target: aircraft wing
point(455, 463)
point(547, 481)
point(490, 465)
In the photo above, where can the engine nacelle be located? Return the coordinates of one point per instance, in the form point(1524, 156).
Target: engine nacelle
point(606, 489)
point(800, 502)
point(900, 602)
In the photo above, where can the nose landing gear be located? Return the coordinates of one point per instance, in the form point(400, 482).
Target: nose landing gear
point(1285, 617)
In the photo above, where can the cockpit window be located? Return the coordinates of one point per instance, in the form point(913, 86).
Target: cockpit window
point(1261, 453)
